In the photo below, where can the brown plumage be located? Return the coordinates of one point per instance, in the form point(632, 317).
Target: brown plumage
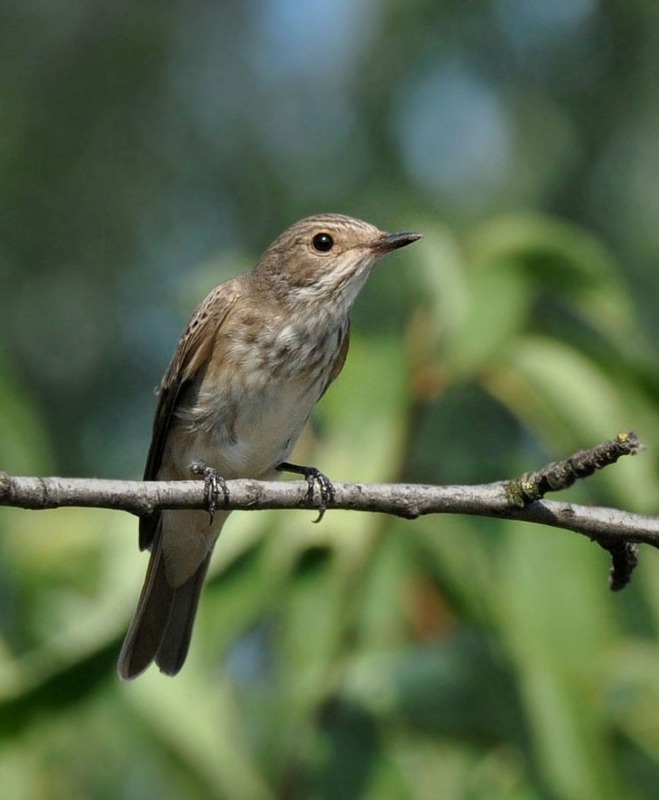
point(257, 355)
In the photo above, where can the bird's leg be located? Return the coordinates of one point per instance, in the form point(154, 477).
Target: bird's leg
point(213, 484)
point(314, 477)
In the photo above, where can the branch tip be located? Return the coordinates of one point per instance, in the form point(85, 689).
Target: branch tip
point(561, 475)
point(624, 560)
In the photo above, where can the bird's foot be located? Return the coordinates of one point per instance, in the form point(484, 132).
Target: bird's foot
point(314, 477)
point(213, 485)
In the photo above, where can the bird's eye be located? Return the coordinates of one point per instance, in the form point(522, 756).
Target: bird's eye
point(322, 242)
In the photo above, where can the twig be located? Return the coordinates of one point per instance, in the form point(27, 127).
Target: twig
point(519, 499)
point(562, 474)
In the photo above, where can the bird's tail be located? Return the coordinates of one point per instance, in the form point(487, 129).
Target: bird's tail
point(162, 625)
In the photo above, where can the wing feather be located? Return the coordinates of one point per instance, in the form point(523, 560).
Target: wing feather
point(190, 359)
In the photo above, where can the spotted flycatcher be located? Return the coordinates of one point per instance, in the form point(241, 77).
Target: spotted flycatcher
point(257, 355)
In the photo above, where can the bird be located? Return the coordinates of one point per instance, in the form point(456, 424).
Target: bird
point(258, 353)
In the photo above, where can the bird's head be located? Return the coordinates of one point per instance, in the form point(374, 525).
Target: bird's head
point(325, 259)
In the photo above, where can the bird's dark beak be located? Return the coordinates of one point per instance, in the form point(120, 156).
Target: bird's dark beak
point(393, 241)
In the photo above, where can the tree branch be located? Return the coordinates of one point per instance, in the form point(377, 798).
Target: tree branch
point(519, 499)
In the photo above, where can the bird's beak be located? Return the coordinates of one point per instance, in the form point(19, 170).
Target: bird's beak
point(393, 241)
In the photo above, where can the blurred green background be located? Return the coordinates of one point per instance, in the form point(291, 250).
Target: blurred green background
point(150, 150)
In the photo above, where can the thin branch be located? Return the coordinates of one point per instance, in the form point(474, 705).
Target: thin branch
point(562, 474)
point(517, 499)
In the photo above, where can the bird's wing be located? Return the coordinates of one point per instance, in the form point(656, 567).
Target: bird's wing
point(190, 359)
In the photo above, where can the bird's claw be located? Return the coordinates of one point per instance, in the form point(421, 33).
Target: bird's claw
point(314, 477)
point(213, 485)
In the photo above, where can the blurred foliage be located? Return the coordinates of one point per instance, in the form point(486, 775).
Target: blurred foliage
point(147, 152)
